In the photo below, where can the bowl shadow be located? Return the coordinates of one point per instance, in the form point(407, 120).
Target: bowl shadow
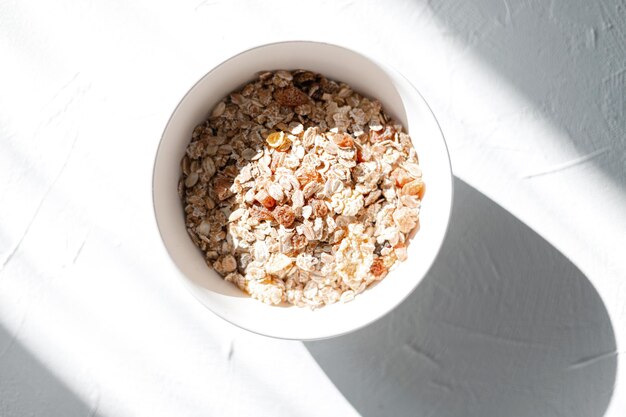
point(503, 324)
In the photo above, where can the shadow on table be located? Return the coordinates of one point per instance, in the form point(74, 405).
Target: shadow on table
point(503, 325)
point(28, 388)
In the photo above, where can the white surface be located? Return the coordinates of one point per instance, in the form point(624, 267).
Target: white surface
point(401, 102)
point(530, 96)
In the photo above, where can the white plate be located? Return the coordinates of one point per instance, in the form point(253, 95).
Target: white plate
point(399, 99)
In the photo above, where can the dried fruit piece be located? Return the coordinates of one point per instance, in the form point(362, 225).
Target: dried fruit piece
point(400, 252)
point(378, 267)
point(320, 209)
point(306, 175)
point(383, 134)
point(284, 215)
point(298, 242)
point(343, 140)
point(265, 199)
point(278, 140)
point(414, 188)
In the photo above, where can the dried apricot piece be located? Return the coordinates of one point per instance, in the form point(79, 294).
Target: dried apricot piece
point(284, 215)
point(275, 139)
point(415, 188)
point(320, 209)
point(343, 140)
point(384, 134)
point(306, 175)
point(378, 267)
point(265, 199)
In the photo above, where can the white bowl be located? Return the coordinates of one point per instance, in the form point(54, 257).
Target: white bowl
point(400, 100)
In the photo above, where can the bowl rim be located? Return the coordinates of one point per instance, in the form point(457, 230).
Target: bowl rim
point(188, 285)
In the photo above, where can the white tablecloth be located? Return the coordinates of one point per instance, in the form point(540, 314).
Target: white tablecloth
point(524, 313)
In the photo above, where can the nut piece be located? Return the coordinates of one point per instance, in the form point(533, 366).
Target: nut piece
point(291, 97)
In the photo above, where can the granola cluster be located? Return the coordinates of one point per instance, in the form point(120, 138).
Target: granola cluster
point(298, 189)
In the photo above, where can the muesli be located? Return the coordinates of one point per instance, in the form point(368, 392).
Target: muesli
point(300, 190)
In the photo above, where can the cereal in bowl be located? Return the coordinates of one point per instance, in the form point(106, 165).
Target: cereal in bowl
point(299, 190)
